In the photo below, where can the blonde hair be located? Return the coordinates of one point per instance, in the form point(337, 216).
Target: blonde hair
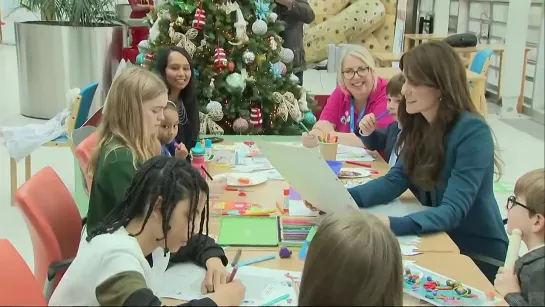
point(531, 187)
point(365, 56)
point(353, 260)
point(123, 120)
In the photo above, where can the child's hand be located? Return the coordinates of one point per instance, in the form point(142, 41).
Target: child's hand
point(230, 294)
point(216, 275)
point(368, 124)
point(180, 151)
point(506, 282)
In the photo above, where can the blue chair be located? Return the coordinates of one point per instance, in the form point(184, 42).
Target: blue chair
point(78, 116)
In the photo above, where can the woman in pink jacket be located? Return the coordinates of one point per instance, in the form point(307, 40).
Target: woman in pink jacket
point(360, 92)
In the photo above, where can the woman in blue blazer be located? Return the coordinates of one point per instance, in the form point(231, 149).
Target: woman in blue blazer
point(446, 159)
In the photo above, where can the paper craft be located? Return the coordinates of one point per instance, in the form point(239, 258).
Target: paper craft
point(350, 153)
point(249, 231)
point(308, 173)
point(223, 156)
point(183, 282)
point(439, 290)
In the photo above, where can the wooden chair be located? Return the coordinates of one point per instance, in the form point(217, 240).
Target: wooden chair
point(78, 116)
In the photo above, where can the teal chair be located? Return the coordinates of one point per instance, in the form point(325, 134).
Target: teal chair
point(78, 115)
point(479, 64)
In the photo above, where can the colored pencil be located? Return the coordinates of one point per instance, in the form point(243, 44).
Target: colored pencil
point(256, 260)
point(277, 300)
point(233, 273)
point(207, 173)
point(359, 163)
point(304, 127)
point(237, 258)
point(381, 115)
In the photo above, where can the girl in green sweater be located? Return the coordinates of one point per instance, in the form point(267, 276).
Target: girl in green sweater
point(127, 137)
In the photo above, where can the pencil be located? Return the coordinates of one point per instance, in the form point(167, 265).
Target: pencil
point(233, 273)
point(207, 173)
point(381, 115)
point(304, 127)
point(237, 257)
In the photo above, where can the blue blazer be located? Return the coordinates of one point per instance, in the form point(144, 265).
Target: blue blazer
point(464, 205)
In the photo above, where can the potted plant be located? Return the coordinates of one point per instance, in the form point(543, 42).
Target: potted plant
point(75, 43)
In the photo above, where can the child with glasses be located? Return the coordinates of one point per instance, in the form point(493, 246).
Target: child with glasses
point(525, 284)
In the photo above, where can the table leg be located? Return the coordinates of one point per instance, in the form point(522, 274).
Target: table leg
point(13, 174)
point(520, 102)
point(28, 168)
point(500, 54)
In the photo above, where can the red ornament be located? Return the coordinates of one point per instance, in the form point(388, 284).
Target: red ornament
point(220, 61)
point(231, 66)
point(149, 57)
point(255, 117)
point(200, 19)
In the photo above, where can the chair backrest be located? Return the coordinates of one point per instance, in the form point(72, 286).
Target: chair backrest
point(80, 134)
point(480, 61)
point(52, 218)
point(84, 152)
point(95, 119)
point(18, 287)
point(87, 94)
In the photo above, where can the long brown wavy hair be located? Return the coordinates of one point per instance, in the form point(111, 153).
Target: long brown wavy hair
point(422, 144)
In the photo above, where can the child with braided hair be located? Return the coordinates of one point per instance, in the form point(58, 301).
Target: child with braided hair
point(165, 209)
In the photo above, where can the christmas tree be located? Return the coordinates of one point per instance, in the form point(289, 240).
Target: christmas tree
point(243, 74)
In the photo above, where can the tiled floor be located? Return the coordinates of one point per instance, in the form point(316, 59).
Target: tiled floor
point(521, 150)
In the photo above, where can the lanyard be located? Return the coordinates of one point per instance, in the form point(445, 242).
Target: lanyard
point(353, 122)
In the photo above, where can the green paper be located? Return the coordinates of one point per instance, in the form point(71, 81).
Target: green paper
point(249, 231)
point(311, 234)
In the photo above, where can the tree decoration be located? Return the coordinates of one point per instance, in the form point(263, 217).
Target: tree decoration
point(303, 104)
point(276, 70)
point(287, 105)
point(294, 79)
point(220, 59)
point(184, 5)
point(248, 57)
point(154, 31)
point(240, 125)
point(286, 55)
point(309, 118)
point(214, 110)
point(272, 17)
point(229, 6)
point(262, 9)
point(256, 118)
point(260, 58)
point(184, 40)
point(231, 66)
point(283, 68)
point(235, 83)
point(200, 19)
point(259, 27)
point(273, 43)
point(208, 126)
point(240, 26)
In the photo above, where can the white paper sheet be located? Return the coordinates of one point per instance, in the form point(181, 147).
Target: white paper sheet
point(350, 153)
point(397, 208)
point(183, 282)
point(298, 208)
point(309, 174)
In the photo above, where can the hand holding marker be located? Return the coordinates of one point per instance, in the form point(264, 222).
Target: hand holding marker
point(234, 265)
point(369, 122)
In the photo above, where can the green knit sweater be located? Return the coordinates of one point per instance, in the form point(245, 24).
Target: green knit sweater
point(113, 175)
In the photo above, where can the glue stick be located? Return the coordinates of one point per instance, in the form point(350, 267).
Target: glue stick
point(513, 248)
point(286, 200)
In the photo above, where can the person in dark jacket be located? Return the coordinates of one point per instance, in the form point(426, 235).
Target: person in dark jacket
point(383, 140)
point(295, 13)
point(175, 67)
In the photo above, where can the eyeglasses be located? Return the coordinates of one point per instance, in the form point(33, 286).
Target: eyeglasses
point(350, 73)
point(512, 201)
